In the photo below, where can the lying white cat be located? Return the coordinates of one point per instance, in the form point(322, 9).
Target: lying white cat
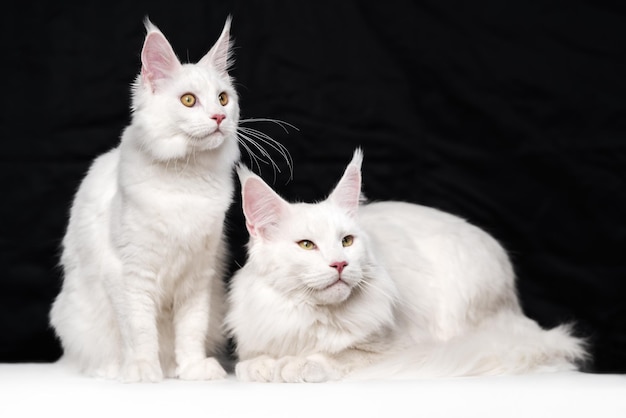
point(343, 290)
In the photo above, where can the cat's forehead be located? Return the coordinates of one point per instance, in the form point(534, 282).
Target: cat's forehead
point(317, 219)
point(198, 77)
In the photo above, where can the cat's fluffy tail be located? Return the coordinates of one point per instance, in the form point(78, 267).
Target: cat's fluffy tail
point(508, 343)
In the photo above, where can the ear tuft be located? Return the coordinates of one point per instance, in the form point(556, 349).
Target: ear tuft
point(357, 158)
point(150, 27)
point(243, 172)
point(220, 56)
point(347, 193)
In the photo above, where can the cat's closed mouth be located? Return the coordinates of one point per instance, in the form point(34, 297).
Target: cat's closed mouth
point(206, 140)
point(335, 283)
point(204, 135)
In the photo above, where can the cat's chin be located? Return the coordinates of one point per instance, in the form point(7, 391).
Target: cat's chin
point(183, 145)
point(334, 293)
point(208, 142)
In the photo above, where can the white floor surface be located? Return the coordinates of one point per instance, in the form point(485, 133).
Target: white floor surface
point(42, 390)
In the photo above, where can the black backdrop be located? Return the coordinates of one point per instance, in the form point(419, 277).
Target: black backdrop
point(509, 114)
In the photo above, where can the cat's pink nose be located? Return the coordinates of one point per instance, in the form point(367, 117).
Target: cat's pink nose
point(339, 265)
point(218, 117)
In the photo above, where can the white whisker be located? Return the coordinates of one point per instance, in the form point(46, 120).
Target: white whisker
point(368, 285)
point(280, 123)
point(250, 137)
point(266, 139)
point(187, 161)
point(254, 159)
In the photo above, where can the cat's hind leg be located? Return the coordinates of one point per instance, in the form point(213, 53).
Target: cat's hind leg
point(89, 334)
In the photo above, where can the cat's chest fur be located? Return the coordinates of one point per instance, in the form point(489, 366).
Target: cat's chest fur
point(306, 328)
point(177, 208)
point(180, 200)
point(167, 217)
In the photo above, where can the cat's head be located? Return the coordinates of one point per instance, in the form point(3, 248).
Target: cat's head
point(315, 252)
point(181, 109)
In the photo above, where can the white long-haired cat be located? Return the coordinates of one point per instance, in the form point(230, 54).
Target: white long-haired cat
point(144, 252)
point(339, 289)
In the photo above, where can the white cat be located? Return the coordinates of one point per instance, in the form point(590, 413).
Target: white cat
point(144, 255)
point(343, 290)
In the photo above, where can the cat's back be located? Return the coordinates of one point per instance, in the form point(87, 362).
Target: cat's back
point(395, 216)
point(91, 206)
point(100, 183)
point(395, 224)
point(458, 271)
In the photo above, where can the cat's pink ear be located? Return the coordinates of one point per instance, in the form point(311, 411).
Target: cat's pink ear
point(347, 193)
point(262, 206)
point(220, 55)
point(158, 60)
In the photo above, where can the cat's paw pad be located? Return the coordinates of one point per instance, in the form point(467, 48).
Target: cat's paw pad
point(141, 371)
point(260, 369)
point(299, 369)
point(205, 369)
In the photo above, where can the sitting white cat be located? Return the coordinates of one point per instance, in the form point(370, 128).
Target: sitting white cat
point(144, 252)
point(344, 290)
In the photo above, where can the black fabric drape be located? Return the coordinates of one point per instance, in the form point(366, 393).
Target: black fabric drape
point(509, 114)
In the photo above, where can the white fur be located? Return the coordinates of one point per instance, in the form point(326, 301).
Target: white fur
point(143, 255)
point(424, 294)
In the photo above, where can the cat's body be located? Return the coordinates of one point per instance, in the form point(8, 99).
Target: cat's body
point(144, 252)
point(422, 293)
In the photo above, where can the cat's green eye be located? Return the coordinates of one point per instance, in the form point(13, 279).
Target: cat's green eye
point(347, 240)
point(306, 244)
point(223, 98)
point(188, 99)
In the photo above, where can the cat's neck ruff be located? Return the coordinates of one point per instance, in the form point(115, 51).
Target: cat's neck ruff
point(298, 324)
point(219, 159)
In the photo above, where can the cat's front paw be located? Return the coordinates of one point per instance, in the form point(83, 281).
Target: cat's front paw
point(312, 369)
point(205, 369)
point(141, 371)
point(259, 369)
point(109, 371)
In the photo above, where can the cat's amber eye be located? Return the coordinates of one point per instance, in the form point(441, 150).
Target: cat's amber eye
point(306, 244)
point(347, 240)
point(188, 99)
point(223, 98)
